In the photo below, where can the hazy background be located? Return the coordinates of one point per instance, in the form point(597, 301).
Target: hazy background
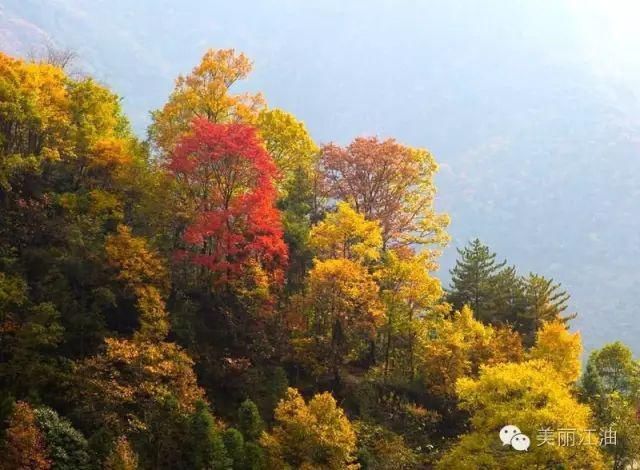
point(531, 108)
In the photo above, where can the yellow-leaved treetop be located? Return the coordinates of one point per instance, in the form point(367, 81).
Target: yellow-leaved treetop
point(122, 456)
point(289, 144)
point(344, 312)
point(409, 293)
point(346, 234)
point(455, 348)
point(534, 397)
point(560, 348)
point(316, 435)
point(205, 93)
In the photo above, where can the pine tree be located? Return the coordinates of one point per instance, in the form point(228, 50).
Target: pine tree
point(250, 421)
point(473, 280)
point(546, 301)
point(207, 449)
point(234, 444)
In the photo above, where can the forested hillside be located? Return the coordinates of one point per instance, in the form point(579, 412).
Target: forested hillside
point(229, 294)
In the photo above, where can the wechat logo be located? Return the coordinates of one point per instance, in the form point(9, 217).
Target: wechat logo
point(511, 435)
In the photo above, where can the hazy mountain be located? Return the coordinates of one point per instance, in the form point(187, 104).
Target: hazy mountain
point(531, 110)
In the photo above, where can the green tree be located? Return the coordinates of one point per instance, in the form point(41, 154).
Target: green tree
point(234, 445)
point(545, 301)
point(249, 421)
point(206, 447)
point(66, 446)
point(610, 385)
point(473, 280)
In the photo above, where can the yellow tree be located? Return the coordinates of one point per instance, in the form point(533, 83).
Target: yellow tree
point(344, 312)
point(560, 348)
point(122, 456)
point(408, 292)
point(534, 397)
point(346, 234)
point(455, 348)
point(145, 276)
point(316, 435)
point(206, 93)
point(289, 144)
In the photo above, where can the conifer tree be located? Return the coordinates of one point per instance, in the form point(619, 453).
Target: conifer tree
point(250, 421)
point(473, 280)
point(545, 301)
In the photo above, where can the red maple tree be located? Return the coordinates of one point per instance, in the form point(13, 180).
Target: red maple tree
point(228, 178)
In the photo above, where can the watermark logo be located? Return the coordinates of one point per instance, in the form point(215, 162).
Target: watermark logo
point(511, 435)
point(572, 437)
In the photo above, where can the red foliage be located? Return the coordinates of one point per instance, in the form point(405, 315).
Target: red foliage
point(229, 181)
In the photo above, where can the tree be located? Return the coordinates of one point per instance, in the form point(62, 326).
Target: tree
point(122, 457)
point(66, 446)
point(458, 347)
point(609, 370)
point(559, 348)
point(313, 435)
point(205, 93)
point(346, 234)
point(472, 280)
point(344, 312)
point(227, 179)
point(206, 447)
point(145, 278)
point(381, 449)
point(234, 445)
point(295, 155)
point(532, 396)
point(546, 301)
point(249, 421)
point(409, 292)
point(610, 386)
point(24, 446)
point(143, 387)
point(28, 335)
point(390, 183)
point(289, 144)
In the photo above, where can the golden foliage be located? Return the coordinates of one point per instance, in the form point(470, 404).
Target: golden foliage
point(346, 234)
point(24, 446)
point(560, 348)
point(122, 457)
point(533, 396)
point(455, 348)
point(288, 143)
point(131, 378)
point(205, 93)
point(316, 435)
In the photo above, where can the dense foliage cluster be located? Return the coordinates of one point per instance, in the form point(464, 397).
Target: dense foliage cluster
point(230, 295)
